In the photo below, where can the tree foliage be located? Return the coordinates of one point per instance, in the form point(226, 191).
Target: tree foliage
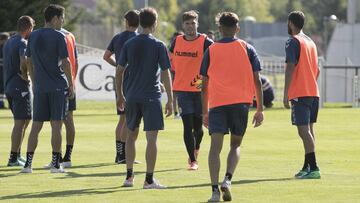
point(11, 10)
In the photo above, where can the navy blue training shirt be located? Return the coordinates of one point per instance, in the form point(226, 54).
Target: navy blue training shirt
point(292, 50)
point(13, 50)
point(118, 41)
point(253, 57)
point(47, 47)
point(144, 57)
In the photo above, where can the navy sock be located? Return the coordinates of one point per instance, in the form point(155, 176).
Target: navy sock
point(55, 161)
point(215, 188)
point(68, 152)
point(312, 161)
point(149, 178)
point(29, 158)
point(228, 175)
point(13, 156)
point(129, 173)
point(306, 164)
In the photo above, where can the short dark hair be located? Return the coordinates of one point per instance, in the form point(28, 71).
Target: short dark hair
point(297, 18)
point(148, 17)
point(189, 15)
point(53, 10)
point(227, 19)
point(132, 17)
point(24, 23)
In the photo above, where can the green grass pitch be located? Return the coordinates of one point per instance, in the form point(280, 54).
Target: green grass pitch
point(270, 155)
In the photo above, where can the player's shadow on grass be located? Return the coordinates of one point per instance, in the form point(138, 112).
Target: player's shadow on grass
point(65, 193)
point(239, 182)
point(9, 169)
point(70, 174)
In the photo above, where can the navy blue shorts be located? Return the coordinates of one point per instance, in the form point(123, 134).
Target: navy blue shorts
point(304, 110)
point(72, 104)
point(189, 102)
point(20, 104)
point(150, 111)
point(51, 106)
point(232, 117)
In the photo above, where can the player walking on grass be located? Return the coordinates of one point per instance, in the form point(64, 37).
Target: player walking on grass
point(17, 86)
point(301, 89)
point(230, 70)
point(187, 52)
point(50, 73)
point(144, 57)
point(131, 24)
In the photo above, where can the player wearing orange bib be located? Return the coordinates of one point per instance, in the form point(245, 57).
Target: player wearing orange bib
point(187, 52)
point(302, 90)
point(230, 70)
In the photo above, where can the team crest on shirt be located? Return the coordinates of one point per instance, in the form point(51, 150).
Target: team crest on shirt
point(197, 82)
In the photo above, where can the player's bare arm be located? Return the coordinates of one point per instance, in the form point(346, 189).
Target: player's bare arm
point(120, 103)
point(259, 115)
point(23, 69)
point(204, 97)
point(65, 63)
point(30, 68)
point(288, 75)
point(108, 58)
point(165, 76)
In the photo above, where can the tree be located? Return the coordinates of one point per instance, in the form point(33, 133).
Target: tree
point(112, 12)
point(11, 10)
point(208, 10)
point(314, 11)
point(167, 11)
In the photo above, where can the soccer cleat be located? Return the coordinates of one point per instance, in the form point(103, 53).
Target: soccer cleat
point(215, 197)
point(193, 166)
point(66, 164)
point(48, 166)
point(225, 189)
point(57, 170)
point(301, 173)
point(122, 161)
point(315, 174)
point(22, 159)
point(154, 185)
point(26, 170)
point(129, 182)
point(16, 163)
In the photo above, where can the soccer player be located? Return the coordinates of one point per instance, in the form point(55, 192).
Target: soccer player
point(268, 92)
point(172, 71)
point(17, 86)
point(3, 37)
point(131, 24)
point(187, 52)
point(301, 89)
point(145, 58)
point(230, 70)
point(69, 121)
point(50, 73)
